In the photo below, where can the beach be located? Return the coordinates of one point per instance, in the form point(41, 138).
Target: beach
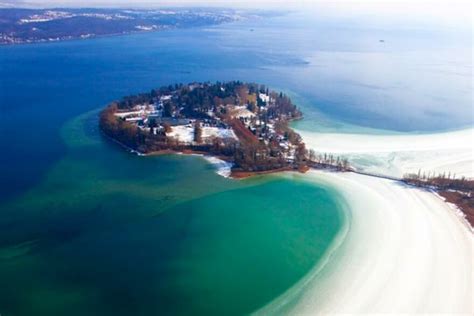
point(404, 250)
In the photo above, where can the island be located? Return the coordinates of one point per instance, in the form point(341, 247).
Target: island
point(243, 123)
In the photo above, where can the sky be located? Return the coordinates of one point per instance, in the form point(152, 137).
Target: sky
point(433, 5)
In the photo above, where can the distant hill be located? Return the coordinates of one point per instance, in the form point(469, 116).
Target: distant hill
point(46, 25)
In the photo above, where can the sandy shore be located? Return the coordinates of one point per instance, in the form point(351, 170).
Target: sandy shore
point(396, 154)
point(403, 251)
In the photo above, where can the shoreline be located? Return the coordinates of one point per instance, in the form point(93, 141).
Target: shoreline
point(248, 174)
point(458, 211)
point(233, 174)
point(405, 251)
point(238, 175)
point(72, 39)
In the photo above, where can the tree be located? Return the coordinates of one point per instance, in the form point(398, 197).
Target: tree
point(167, 128)
point(300, 154)
point(242, 93)
point(312, 155)
point(251, 107)
point(152, 125)
point(345, 164)
point(168, 108)
point(197, 132)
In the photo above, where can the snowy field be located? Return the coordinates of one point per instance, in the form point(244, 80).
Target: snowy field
point(242, 111)
point(208, 132)
point(182, 133)
point(185, 133)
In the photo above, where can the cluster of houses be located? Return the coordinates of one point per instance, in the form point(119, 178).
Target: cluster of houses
point(179, 128)
point(264, 129)
point(266, 133)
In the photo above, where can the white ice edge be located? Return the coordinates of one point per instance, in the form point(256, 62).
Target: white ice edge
point(401, 153)
point(404, 250)
point(223, 168)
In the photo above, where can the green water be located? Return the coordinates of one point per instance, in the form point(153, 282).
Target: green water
point(108, 232)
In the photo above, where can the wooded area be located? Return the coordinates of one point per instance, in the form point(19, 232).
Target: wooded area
point(258, 148)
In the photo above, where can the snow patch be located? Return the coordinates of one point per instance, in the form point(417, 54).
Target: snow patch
point(182, 133)
point(208, 132)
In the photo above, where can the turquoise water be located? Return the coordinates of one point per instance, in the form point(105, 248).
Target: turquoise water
point(86, 228)
point(107, 232)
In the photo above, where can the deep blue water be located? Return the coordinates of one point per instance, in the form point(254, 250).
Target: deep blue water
point(418, 79)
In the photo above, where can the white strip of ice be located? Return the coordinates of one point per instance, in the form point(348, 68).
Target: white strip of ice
point(223, 168)
point(403, 251)
point(396, 154)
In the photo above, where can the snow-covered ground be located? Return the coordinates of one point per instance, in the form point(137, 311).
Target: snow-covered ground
point(208, 132)
point(242, 111)
point(403, 251)
point(185, 133)
point(130, 113)
point(397, 154)
point(182, 133)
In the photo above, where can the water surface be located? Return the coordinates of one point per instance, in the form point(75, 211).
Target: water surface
point(87, 228)
point(108, 232)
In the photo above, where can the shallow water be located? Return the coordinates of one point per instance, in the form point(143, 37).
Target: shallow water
point(108, 232)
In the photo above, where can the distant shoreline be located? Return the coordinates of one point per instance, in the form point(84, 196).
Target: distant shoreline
point(34, 26)
point(73, 39)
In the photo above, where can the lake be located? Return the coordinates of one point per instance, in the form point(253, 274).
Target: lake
point(87, 228)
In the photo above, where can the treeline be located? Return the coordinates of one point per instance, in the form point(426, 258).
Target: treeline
point(442, 181)
point(196, 100)
point(328, 161)
point(459, 191)
point(124, 132)
point(256, 157)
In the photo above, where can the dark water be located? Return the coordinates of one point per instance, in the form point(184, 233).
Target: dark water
point(86, 228)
